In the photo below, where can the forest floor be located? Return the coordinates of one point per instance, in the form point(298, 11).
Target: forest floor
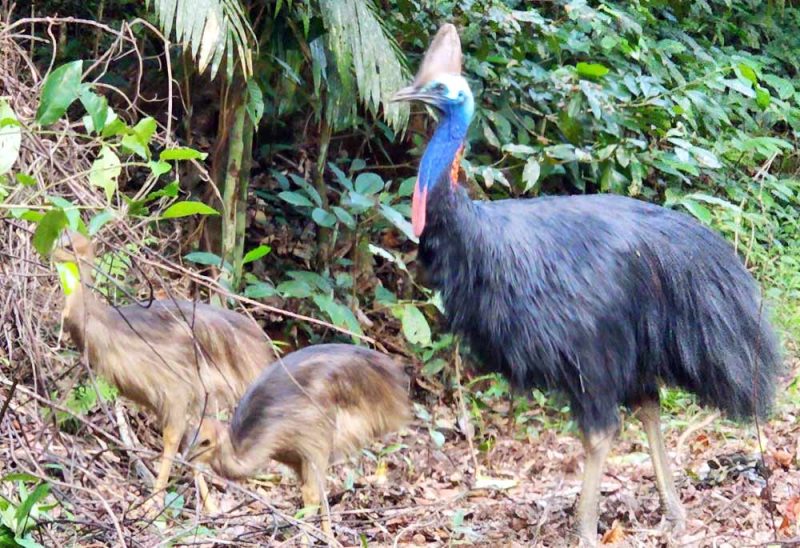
point(414, 493)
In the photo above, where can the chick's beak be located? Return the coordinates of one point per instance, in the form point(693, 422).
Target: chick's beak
point(413, 93)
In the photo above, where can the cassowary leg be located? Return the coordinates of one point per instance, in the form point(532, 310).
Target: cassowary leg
point(649, 414)
point(172, 439)
point(205, 497)
point(596, 447)
point(313, 490)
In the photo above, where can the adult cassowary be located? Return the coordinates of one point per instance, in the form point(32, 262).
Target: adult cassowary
point(602, 297)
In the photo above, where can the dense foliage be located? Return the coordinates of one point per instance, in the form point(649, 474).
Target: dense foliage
point(691, 105)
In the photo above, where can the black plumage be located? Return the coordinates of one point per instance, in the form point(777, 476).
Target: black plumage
point(602, 297)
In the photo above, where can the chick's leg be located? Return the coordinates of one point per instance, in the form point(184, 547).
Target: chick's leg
point(313, 490)
point(205, 497)
point(172, 439)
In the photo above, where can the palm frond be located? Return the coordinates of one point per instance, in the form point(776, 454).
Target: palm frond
point(209, 29)
point(361, 46)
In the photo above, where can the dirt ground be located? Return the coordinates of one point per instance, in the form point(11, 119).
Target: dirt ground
point(411, 492)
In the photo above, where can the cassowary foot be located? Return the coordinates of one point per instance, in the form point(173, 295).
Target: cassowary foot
point(586, 540)
point(674, 521)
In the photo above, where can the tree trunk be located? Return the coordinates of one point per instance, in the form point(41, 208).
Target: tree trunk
point(231, 195)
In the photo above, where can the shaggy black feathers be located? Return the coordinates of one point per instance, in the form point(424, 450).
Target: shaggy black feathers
point(602, 297)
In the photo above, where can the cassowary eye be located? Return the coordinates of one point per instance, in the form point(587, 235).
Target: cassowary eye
point(439, 88)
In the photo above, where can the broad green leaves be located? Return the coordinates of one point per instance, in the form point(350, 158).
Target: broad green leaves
point(415, 327)
point(256, 253)
point(105, 171)
point(96, 106)
point(138, 139)
point(530, 174)
point(295, 198)
point(184, 209)
point(591, 70)
point(182, 153)
point(48, 230)
point(69, 277)
point(60, 89)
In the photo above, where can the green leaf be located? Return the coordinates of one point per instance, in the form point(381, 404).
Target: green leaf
point(763, 98)
point(747, 73)
point(400, 222)
point(259, 290)
point(145, 129)
point(10, 139)
point(339, 314)
point(60, 89)
point(700, 211)
point(295, 198)
point(170, 191)
point(133, 143)
point(415, 326)
point(591, 70)
point(368, 183)
point(48, 230)
point(19, 476)
point(313, 279)
point(25, 180)
point(97, 107)
point(311, 192)
point(106, 391)
point(105, 170)
point(433, 367)
point(23, 510)
point(563, 152)
point(99, 220)
point(706, 158)
point(114, 125)
point(358, 202)
point(437, 437)
point(344, 217)
point(70, 210)
point(742, 86)
point(256, 253)
point(68, 276)
point(323, 218)
point(384, 296)
point(208, 259)
point(519, 151)
point(138, 140)
point(157, 169)
point(784, 87)
point(184, 209)
point(255, 102)
point(530, 174)
point(182, 153)
point(297, 289)
point(407, 187)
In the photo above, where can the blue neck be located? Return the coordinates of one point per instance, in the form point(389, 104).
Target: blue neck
point(444, 144)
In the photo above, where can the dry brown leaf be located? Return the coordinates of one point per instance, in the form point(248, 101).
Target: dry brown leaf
point(614, 535)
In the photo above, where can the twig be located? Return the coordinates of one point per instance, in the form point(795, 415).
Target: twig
point(691, 430)
point(129, 439)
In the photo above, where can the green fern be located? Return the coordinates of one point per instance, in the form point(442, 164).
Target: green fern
point(210, 29)
point(361, 47)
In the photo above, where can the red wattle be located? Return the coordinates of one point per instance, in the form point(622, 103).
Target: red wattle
point(419, 201)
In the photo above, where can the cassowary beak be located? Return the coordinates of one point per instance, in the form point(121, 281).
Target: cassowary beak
point(413, 93)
